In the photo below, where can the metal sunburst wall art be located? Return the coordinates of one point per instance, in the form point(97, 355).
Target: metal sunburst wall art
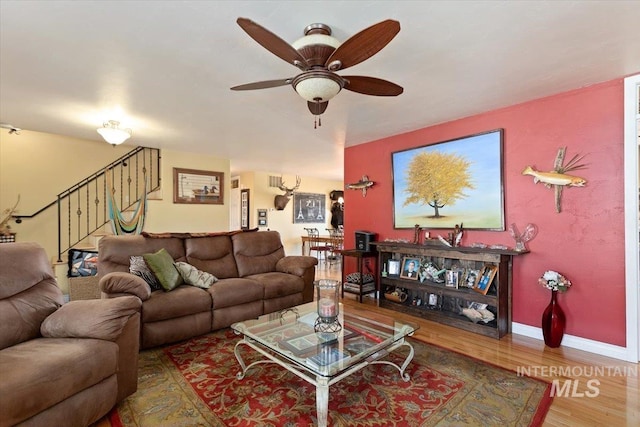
point(558, 178)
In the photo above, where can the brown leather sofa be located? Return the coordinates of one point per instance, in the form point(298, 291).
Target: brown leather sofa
point(60, 364)
point(255, 278)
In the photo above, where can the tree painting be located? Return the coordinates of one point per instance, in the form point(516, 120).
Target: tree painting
point(450, 182)
point(437, 179)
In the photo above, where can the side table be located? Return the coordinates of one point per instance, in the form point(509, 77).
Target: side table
point(360, 287)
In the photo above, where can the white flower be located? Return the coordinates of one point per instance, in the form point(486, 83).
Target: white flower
point(554, 281)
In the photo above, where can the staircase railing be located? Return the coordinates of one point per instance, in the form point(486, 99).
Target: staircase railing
point(82, 208)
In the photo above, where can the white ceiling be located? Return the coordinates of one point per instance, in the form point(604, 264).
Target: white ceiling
point(164, 69)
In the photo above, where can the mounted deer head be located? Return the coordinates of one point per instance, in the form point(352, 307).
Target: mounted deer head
point(281, 201)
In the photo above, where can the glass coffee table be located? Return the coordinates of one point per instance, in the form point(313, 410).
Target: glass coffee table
point(287, 338)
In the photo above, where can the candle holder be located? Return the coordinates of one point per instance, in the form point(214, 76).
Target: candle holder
point(328, 306)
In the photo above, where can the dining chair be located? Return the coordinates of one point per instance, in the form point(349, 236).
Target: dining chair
point(321, 248)
point(336, 240)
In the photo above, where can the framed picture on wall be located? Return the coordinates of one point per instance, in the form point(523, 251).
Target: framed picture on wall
point(309, 208)
point(450, 182)
point(262, 217)
point(198, 187)
point(244, 208)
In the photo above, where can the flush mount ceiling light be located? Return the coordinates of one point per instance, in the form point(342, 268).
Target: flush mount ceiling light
point(112, 133)
point(319, 56)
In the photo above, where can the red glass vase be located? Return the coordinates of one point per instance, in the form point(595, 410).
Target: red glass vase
point(553, 322)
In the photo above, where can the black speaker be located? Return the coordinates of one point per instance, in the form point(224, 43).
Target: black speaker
point(364, 239)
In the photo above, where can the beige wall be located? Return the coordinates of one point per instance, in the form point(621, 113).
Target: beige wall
point(164, 215)
point(38, 166)
point(261, 197)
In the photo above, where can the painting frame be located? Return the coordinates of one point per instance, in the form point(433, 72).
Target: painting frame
point(477, 202)
point(405, 272)
point(262, 218)
point(485, 279)
point(309, 208)
point(245, 213)
point(193, 186)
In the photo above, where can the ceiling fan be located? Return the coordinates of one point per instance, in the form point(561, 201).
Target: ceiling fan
point(319, 55)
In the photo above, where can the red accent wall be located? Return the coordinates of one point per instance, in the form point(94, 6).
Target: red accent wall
point(585, 242)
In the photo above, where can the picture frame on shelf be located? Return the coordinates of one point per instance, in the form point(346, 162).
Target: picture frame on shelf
point(486, 278)
point(452, 278)
point(193, 186)
point(410, 268)
point(433, 302)
point(470, 278)
point(393, 267)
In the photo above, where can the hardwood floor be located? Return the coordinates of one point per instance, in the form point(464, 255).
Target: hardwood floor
point(598, 391)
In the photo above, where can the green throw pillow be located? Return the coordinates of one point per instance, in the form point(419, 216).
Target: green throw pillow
point(194, 277)
point(164, 269)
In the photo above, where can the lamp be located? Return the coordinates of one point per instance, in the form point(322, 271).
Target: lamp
point(112, 133)
point(317, 84)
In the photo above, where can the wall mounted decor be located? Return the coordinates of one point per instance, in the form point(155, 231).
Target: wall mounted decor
point(363, 185)
point(281, 200)
point(309, 208)
point(198, 187)
point(244, 209)
point(450, 182)
point(262, 218)
point(558, 178)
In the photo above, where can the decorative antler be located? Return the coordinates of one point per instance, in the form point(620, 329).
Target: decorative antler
point(288, 192)
point(281, 201)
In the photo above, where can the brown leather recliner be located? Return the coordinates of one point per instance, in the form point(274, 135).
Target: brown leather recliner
point(60, 364)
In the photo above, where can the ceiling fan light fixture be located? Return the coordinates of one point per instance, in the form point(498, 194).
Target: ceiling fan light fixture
point(318, 86)
point(316, 34)
point(112, 133)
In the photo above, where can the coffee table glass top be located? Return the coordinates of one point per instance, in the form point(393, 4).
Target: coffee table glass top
point(290, 334)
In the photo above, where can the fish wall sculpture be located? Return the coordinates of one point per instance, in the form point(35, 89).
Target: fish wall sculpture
point(554, 178)
point(363, 185)
point(558, 178)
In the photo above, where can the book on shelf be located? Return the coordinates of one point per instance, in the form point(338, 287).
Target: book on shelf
point(327, 356)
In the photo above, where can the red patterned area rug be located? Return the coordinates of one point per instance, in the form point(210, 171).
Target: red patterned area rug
point(194, 384)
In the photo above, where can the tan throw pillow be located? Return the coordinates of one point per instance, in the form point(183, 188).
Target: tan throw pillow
point(163, 267)
point(194, 277)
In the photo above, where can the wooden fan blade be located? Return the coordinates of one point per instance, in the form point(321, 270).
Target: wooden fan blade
point(273, 43)
point(317, 108)
point(363, 45)
point(263, 85)
point(371, 86)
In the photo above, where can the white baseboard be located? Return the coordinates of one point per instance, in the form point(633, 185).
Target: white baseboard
point(597, 347)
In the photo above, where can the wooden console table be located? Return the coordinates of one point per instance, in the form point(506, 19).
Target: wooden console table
point(441, 303)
